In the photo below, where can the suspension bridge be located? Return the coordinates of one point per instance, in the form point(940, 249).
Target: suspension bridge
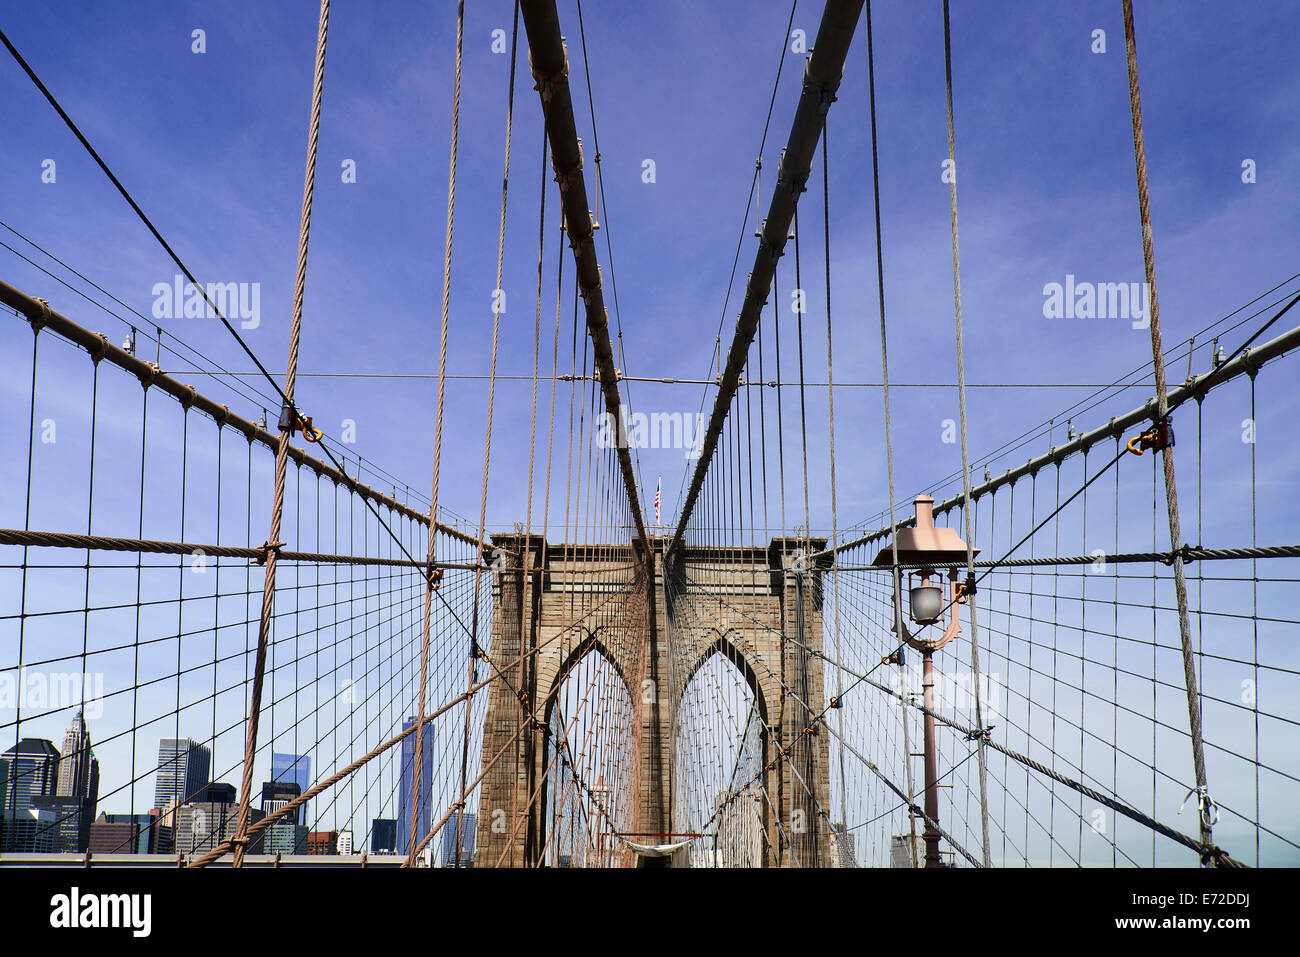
point(1065, 653)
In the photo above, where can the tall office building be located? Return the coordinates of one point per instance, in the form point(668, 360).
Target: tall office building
point(78, 786)
point(296, 769)
point(217, 793)
point(60, 827)
point(202, 825)
point(74, 765)
point(286, 835)
point(405, 785)
point(841, 847)
point(32, 775)
point(383, 836)
point(183, 769)
point(467, 835)
point(276, 794)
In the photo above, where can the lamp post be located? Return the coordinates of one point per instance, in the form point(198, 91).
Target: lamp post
point(921, 548)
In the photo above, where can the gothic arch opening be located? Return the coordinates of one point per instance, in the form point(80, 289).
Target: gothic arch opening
point(720, 745)
point(589, 761)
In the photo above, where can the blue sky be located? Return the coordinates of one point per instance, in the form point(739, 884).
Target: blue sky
point(212, 145)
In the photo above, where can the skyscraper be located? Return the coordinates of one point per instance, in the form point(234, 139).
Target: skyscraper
point(405, 785)
point(203, 824)
point(78, 785)
point(295, 768)
point(841, 847)
point(33, 773)
point(286, 835)
point(74, 766)
point(183, 769)
point(383, 836)
point(276, 794)
point(467, 835)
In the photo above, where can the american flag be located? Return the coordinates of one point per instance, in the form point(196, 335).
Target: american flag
point(657, 490)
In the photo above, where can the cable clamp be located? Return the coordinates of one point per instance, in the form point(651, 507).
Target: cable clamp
point(265, 549)
point(565, 179)
point(546, 85)
point(39, 323)
point(1157, 438)
point(1209, 811)
point(825, 91)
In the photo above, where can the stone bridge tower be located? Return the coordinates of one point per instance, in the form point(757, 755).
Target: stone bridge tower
point(760, 608)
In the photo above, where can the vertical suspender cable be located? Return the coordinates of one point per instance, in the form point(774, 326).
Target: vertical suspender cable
point(835, 531)
point(1207, 812)
point(487, 436)
point(437, 452)
point(965, 460)
point(287, 424)
point(884, 381)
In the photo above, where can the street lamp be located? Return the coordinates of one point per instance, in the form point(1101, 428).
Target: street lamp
point(921, 548)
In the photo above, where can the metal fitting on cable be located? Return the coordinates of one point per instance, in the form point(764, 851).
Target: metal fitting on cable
point(1209, 811)
point(291, 423)
point(1157, 438)
point(44, 320)
point(825, 91)
point(265, 549)
point(545, 85)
